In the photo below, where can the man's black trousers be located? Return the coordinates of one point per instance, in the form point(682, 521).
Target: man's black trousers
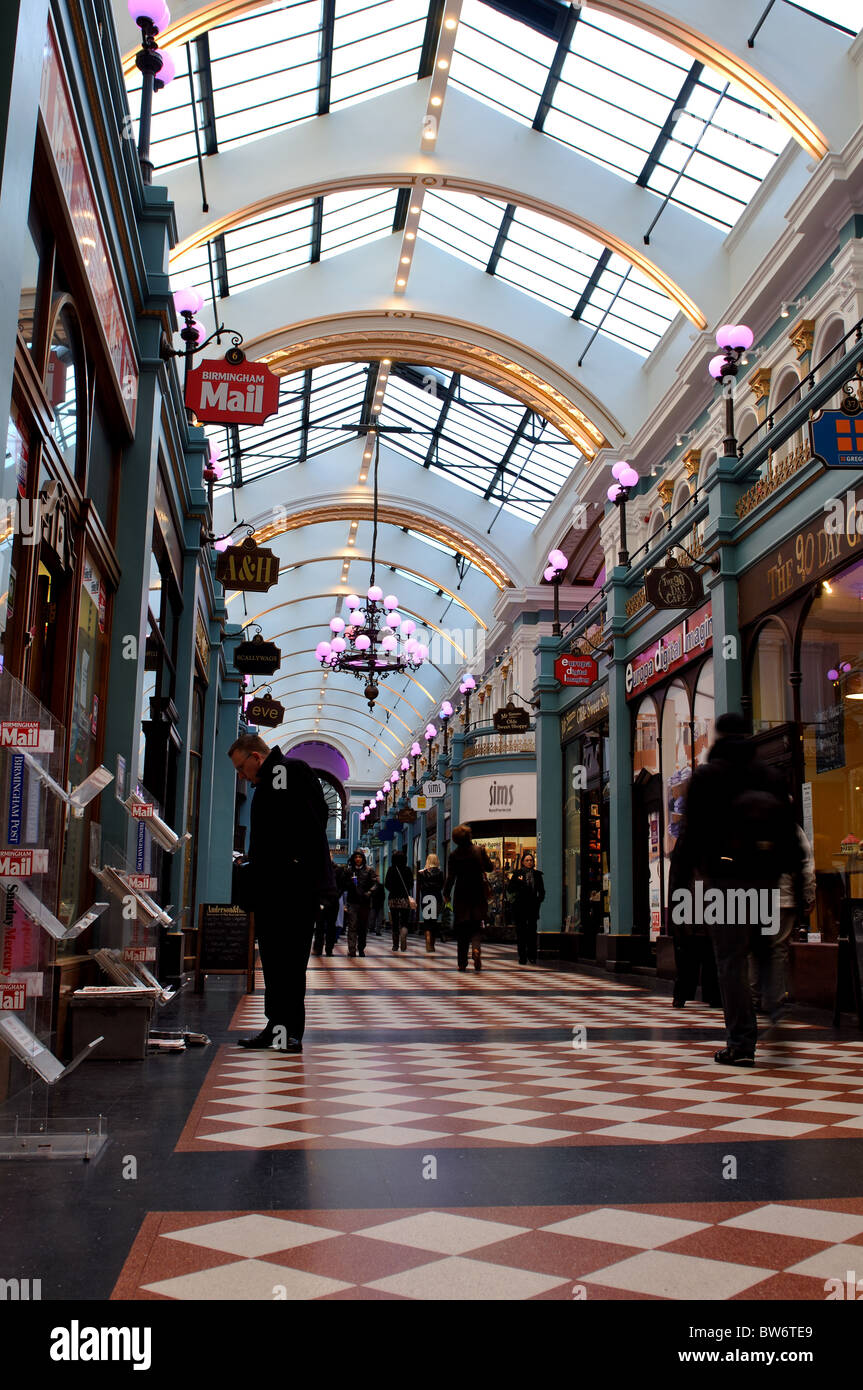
point(285, 940)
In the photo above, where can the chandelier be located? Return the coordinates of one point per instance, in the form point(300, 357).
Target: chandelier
point(374, 640)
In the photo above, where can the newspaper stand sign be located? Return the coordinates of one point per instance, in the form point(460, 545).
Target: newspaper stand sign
point(575, 670)
point(225, 392)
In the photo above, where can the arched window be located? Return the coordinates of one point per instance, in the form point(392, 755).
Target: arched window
point(682, 495)
point(66, 386)
point(703, 712)
point(646, 752)
point(746, 429)
point(830, 348)
point(768, 682)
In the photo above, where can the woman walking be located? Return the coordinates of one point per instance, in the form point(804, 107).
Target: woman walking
point(430, 898)
point(526, 891)
point(466, 889)
point(399, 883)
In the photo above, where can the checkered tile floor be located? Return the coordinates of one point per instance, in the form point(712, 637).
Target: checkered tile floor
point(687, 1251)
point(372, 1096)
point(415, 990)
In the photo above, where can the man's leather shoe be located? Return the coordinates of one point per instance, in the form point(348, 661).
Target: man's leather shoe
point(293, 1045)
point(264, 1039)
point(729, 1058)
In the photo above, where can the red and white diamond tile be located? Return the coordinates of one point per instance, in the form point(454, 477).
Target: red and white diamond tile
point(703, 1251)
point(403, 1095)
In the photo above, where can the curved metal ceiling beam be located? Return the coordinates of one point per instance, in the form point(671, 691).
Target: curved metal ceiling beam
point(390, 514)
point(382, 564)
point(669, 27)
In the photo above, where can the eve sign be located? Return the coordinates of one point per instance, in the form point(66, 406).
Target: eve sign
point(228, 393)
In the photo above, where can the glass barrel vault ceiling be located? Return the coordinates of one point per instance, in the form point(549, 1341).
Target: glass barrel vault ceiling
point(481, 439)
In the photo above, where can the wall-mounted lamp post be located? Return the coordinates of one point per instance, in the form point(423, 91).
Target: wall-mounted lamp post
point(467, 685)
point(416, 752)
point(445, 714)
point(627, 479)
point(156, 67)
point(556, 569)
point(734, 339)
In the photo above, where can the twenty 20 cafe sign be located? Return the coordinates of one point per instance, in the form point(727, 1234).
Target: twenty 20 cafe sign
point(232, 393)
point(674, 649)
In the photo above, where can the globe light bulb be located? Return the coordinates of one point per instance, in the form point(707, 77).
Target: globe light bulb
point(618, 469)
point(352, 602)
point(391, 602)
point(735, 336)
point(338, 644)
point(375, 594)
point(408, 626)
point(222, 545)
point(388, 644)
point(833, 674)
point(557, 559)
point(845, 666)
point(470, 683)
point(421, 653)
point(716, 366)
point(614, 492)
point(168, 70)
point(446, 710)
point(188, 300)
point(549, 574)
point(337, 624)
point(394, 620)
point(415, 749)
point(405, 765)
point(411, 645)
point(363, 642)
point(322, 650)
point(629, 478)
point(431, 732)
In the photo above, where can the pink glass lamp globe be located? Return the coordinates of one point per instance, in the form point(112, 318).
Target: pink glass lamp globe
point(215, 452)
point(405, 765)
point(216, 469)
point(415, 749)
point(549, 575)
point(222, 544)
point(322, 650)
point(618, 469)
point(375, 594)
point(338, 644)
point(557, 560)
point(735, 336)
point(168, 70)
point(845, 666)
point(363, 643)
point(353, 602)
point(716, 366)
point(446, 710)
point(379, 796)
point(388, 644)
point(188, 300)
point(469, 683)
point(337, 624)
point(614, 492)
point(408, 627)
point(422, 652)
point(156, 11)
point(833, 674)
point(431, 732)
point(410, 645)
point(390, 602)
point(394, 619)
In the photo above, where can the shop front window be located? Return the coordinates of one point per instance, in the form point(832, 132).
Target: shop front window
point(832, 719)
point(64, 384)
point(676, 765)
point(769, 683)
point(91, 655)
point(14, 485)
point(646, 751)
point(704, 712)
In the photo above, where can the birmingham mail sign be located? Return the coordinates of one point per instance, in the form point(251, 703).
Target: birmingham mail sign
point(227, 393)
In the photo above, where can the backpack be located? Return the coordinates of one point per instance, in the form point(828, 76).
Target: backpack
point(758, 845)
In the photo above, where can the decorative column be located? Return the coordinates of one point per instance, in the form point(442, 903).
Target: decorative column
point(218, 777)
point(549, 787)
point(759, 384)
point(723, 493)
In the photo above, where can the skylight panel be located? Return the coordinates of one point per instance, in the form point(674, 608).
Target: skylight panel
point(172, 138)
point(376, 47)
point(265, 70)
point(465, 225)
point(500, 61)
point(356, 217)
point(268, 246)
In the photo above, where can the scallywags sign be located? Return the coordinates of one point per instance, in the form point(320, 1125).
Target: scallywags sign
point(228, 393)
point(684, 641)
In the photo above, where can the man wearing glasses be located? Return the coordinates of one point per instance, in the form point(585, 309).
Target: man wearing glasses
point(288, 872)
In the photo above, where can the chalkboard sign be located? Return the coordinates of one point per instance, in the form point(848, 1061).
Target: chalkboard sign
point(226, 944)
point(849, 982)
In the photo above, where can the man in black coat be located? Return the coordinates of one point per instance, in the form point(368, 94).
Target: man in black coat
point(738, 834)
point(288, 874)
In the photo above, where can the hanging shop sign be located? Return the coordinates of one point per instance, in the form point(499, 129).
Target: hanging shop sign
point(265, 711)
point(674, 586)
point(70, 164)
point(419, 803)
point(681, 644)
point(498, 798)
point(511, 720)
point(592, 707)
point(408, 816)
point(248, 567)
point(232, 393)
point(432, 789)
point(837, 438)
point(257, 658)
point(575, 670)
